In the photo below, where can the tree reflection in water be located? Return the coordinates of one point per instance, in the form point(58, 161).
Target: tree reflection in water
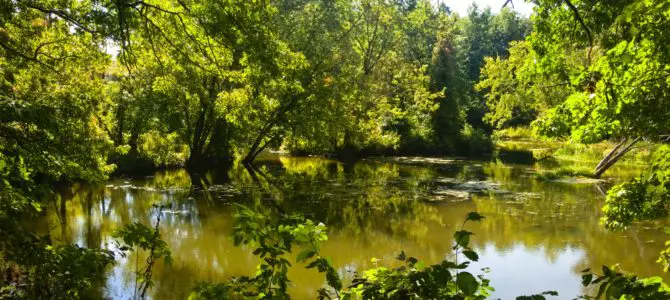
point(373, 208)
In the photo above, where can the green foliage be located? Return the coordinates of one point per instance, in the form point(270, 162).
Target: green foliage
point(52, 129)
point(474, 141)
point(37, 269)
point(207, 81)
point(513, 133)
point(589, 72)
point(564, 172)
point(664, 257)
point(484, 35)
point(136, 237)
point(617, 285)
point(204, 82)
point(621, 84)
point(593, 153)
point(162, 150)
point(273, 240)
point(645, 197)
point(516, 92)
point(415, 280)
point(374, 94)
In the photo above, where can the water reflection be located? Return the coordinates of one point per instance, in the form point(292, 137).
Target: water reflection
point(537, 235)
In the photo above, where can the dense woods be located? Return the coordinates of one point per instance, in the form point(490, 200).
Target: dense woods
point(95, 88)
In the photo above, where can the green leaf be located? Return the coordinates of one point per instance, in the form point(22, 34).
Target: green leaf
point(462, 238)
point(442, 275)
point(467, 283)
point(312, 264)
point(36, 206)
point(305, 255)
point(606, 271)
point(613, 292)
point(586, 279)
point(333, 279)
point(471, 255)
point(412, 261)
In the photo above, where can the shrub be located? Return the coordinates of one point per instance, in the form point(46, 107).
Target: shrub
point(163, 150)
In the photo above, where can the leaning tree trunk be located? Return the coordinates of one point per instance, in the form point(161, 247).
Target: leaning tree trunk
point(613, 156)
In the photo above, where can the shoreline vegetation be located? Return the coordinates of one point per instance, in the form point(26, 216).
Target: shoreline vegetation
point(566, 159)
point(561, 159)
point(522, 138)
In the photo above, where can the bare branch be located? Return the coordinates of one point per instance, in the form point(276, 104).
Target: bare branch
point(586, 28)
point(26, 57)
point(508, 2)
point(61, 14)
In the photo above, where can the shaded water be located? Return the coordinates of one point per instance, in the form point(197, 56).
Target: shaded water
point(537, 235)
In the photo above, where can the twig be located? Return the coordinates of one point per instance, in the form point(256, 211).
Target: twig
point(151, 259)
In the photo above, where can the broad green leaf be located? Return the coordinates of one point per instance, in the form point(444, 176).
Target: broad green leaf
point(471, 255)
point(467, 283)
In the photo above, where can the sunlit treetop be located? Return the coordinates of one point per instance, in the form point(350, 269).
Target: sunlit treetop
point(623, 82)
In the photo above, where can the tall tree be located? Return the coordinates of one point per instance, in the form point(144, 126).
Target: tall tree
point(622, 81)
point(52, 101)
point(516, 92)
point(485, 34)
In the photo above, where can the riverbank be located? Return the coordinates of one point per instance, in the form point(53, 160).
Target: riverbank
point(567, 152)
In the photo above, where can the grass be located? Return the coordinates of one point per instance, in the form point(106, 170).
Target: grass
point(522, 139)
point(515, 133)
point(564, 172)
point(639, 155)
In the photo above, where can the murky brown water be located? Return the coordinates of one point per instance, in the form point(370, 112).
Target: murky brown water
point(537, 235)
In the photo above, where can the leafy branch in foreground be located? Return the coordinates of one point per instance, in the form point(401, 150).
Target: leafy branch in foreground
point(645, 197)
point(137, 236)
point(275, 238)
point(47, 271)
point(445, 280)
point(617, 285)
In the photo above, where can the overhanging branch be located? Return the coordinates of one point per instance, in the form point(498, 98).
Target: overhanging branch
point(586, 28)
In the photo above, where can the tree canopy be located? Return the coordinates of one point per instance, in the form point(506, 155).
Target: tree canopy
point(93, 87)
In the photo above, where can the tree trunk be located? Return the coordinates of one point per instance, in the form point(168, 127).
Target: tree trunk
point(218, 150)
point(196, 146)
point(121, 116)
point(612, 157)
point(251, 154)
point(275, 118)
point(611, 153)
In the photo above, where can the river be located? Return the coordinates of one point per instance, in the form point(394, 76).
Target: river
point(537, 235)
